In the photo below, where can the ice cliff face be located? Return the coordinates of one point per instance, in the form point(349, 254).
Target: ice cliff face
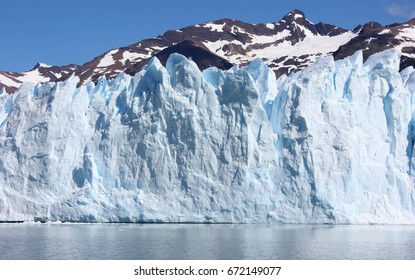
point(333, 143)
point(346, 140)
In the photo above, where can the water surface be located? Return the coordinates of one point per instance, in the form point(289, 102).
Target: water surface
point(194, 241)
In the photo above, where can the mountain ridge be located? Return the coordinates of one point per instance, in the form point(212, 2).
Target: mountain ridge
point(287, 45)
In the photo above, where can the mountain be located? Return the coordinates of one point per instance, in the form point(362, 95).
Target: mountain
point(332, 143)
point(191, 137)
point(201, 55)
point(39, 73)
point(286, 46)
point(373, 37)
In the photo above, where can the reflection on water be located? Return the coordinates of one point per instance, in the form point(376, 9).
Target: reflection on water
point(189, 241)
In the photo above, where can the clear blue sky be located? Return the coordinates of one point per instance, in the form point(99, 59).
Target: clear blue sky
point(63, 32)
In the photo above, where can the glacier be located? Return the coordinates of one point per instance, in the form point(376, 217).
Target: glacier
point(333, 143)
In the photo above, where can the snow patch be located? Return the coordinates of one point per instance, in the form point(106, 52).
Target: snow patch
point(270, 39)
point(408, 34)
point(296, 16)
point(9, 82)
point(311, 45)
point(133, 57)
point(215, 27)
point(385, 31)
point(108, 59)
point(33, 77)
point(57, 75)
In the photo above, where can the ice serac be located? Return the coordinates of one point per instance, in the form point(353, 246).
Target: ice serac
point(345, 137)
point(333, 143)
point(165, 145)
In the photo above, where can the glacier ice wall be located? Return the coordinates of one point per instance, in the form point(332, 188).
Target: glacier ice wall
point(346, 137)
point(333, 143)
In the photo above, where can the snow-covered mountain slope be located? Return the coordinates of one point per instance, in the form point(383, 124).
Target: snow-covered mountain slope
point(233, 40)
point(333, 143)
point(373, 37)
point(38, 74)
point(286, 46)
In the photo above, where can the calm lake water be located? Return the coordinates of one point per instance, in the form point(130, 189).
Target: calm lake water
point(193, 241)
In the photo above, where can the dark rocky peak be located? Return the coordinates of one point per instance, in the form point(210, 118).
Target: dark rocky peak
point(368, 28)
point(196, 51)
point(39, 65)
point(297, 18)
point(45, 68)
point(357, 29)
point(188, 44)
point(173, 35)
point(297, 24)
point(411, 22)
point(227, 22)
point(242, 31)
point(223, 29)
point(329, 29)
point(294, 15)
point(191, 49)
point(53, 73)
point(230, 24)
